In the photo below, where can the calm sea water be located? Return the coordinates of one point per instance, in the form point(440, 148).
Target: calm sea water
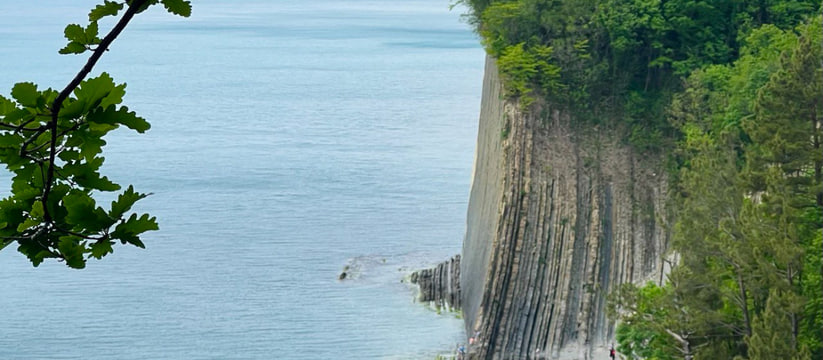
point(289, 139)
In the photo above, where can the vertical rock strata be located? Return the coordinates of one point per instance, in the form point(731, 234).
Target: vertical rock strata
point(559, 215)
point(440, 284)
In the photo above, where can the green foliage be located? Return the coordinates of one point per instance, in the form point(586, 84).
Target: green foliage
point(519, 69)
point(74, 220)
point(501, 26)
point(787, 109)
point(811, 324)
point(107, 8)
point(178, 7)
point(80, 38)
point(749, 203)
point(768, 340)
point(641, 334)
point(595, 57)
point(52, 144)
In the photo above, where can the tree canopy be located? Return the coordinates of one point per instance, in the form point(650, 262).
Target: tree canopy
point(618, 62)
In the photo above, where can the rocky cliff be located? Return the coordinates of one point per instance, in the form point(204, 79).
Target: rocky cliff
point(559, 215)
point(440, 285)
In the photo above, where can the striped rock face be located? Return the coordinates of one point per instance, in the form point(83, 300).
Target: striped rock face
point(561, 212)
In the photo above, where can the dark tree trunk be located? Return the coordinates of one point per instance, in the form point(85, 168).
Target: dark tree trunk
point(744, 301)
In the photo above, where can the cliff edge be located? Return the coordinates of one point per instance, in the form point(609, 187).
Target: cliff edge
point(559, 215)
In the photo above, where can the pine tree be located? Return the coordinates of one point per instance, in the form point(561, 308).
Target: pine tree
point(768, 340)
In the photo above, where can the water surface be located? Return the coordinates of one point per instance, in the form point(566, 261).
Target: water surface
point(289, 138)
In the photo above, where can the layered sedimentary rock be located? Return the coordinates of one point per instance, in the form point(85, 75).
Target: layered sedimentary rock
point(440, 284)
point(559, 215)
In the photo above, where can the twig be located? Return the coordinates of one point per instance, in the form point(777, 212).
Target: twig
point(64, 94)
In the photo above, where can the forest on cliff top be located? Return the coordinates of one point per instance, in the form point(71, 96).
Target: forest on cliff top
point(731, 93)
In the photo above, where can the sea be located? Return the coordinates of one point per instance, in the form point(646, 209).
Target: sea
point(289, 141)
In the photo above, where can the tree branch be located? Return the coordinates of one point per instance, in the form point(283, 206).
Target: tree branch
point(64, 94)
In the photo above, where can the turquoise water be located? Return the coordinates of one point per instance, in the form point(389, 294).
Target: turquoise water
point(289, 139)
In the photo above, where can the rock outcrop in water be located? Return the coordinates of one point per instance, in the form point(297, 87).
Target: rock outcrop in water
point(440, 284)
point(559, 215)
